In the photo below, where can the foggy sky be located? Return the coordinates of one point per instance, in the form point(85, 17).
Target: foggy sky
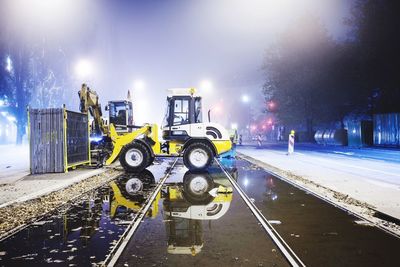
point(168, 43)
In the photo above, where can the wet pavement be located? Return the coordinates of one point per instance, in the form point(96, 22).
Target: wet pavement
point(196, 228)
point(319, 233)
point(198, 219)
point(83, 233)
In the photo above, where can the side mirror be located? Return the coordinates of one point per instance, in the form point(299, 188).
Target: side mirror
point(209, 115)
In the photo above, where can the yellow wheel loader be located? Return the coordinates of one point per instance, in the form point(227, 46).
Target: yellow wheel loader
point(184, 134)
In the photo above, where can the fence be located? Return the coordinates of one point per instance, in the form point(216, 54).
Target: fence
point(59, 140)
point(387, 129)
point(359, 133)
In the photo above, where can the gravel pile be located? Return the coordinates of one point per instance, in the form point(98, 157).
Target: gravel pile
point(20, 214)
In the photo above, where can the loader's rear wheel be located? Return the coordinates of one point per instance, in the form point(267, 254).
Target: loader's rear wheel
point(134, 157)
point(197, 156)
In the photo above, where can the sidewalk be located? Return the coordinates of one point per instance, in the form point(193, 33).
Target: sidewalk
point(17, 185)
point(14, 163)
point(374, 183)
point(33, 186)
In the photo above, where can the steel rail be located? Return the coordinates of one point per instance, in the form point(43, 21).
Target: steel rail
point(320, 196)
point(118, 249)
point(284, 248)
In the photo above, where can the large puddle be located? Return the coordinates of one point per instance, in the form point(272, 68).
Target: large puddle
point(202, 221)
point(84, 232)
point(198, 219)
point(319, 233)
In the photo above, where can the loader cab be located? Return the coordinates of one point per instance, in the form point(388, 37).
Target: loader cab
point(120, 115)
point(181, 111)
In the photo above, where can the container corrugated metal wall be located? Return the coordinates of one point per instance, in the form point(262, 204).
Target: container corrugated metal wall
point(359, 133)
point(59, 139)
point(387, 129)
point(46, 137)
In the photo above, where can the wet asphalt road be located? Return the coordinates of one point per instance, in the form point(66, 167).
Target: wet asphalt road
point(319, 233)
point(200, 220)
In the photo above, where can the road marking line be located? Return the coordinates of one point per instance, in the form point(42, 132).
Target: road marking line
point(344, 153)
point(357, 167)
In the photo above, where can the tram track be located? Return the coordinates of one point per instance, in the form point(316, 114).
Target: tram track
point(118, 249)
point(284, 248)
point(332, 202)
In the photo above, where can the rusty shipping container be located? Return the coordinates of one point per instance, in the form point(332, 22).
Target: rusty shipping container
point(59, 140)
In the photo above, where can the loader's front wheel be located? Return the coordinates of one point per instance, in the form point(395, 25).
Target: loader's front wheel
point(197, 156)
point(196, 187)
point(134, 157)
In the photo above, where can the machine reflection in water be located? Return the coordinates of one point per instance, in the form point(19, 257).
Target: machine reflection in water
point(130, 193)
point(186, 205)
point(200, 197)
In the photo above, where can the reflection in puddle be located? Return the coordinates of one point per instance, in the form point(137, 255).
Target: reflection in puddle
point(201, 222)
point(85, 231)
point(130, 193)
point(199, 197)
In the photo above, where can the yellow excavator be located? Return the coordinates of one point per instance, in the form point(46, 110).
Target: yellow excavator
point(184, 132)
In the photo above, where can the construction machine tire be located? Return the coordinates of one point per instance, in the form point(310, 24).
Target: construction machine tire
point(198, 156)
point(152, 158)
point(196, 187)
point(149, 149)
point(134, 157)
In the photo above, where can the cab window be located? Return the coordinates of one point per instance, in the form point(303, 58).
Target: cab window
point(166, 120)
point(181, 112)
point(118, 113)
point(198, 117)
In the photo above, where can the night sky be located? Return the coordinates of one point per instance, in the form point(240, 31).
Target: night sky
point(165, 44)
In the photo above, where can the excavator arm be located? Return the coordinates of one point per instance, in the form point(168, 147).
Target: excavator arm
point(89, 102)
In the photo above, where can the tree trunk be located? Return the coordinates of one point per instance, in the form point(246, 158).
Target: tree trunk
point(21, 123)
point(20, 132)
point(309, 124)
point(22, 96)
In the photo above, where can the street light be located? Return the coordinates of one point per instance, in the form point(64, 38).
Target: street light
point(84, 68)
point(206, 86)
point(8, 64)
point(245, 99)
point(271, 105)
point(139, 85)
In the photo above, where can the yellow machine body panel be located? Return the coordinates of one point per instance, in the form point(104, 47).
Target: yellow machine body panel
point(224, 194)
point(175, 148)
point(120, 200)
point(174, 193)
point(119, 141)
point(222, 146)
